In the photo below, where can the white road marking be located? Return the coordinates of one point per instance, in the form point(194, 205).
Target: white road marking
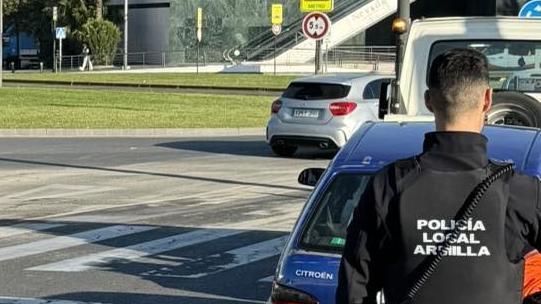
point(249, 254)
point(19, 229)
point(274, 223)
point(14, 300)
point(137, 251)
point(161, 199)
point(196, 295)
point(57, 191)
point(277, 220)
point(241, 256)
point(268, 279)
point(99, 218)
point(259, 212)
point(63, 242)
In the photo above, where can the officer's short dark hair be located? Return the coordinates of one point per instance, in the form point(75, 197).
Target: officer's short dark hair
point(456, 78)
point(533, 299)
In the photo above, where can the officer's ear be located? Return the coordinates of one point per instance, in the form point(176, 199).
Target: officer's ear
point(487, 100)
point(428, 101)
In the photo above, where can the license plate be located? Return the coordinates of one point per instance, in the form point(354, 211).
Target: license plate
point(305, 113)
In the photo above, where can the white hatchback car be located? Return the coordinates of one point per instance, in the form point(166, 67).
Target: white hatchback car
point(323, 111)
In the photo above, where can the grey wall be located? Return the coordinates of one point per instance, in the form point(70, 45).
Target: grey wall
point(149, 30)
point(148, 24)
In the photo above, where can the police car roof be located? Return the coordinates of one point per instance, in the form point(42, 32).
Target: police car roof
point(376, 144)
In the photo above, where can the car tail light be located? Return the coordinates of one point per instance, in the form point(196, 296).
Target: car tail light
point(276, 105)
point(342, 108)
point(284, 295)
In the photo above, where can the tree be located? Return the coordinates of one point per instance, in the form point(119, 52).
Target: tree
point(10, 6)
point(99, 9)
point(35, 17)
point(102, 37)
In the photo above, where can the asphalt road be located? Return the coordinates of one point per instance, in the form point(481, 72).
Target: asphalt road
point(198, 220)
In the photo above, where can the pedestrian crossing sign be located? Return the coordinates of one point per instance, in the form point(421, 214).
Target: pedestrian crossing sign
point(60, 33)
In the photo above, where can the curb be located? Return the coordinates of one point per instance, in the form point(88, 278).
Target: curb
point(92, 133)
point(141, 85)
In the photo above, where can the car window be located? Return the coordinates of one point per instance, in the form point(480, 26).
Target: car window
point(373, 88)
point(368, 92)
point(316, 91)
point(512, 63)
point(326, 229)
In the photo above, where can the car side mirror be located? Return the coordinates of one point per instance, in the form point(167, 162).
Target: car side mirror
point(310, 177)
point(384, 99)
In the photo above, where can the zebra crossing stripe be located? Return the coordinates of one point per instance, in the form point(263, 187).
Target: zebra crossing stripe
point(63, 242)
point(136, 251)
point(256, 252)
point(14, 300)
point(241, 256)
point(195, 295)
point(26, 228)
point(268, 279)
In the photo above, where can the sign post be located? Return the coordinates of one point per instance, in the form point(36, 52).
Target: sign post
point(277, 18)
point(199, 34)
point(324, 6)
point(125, 59)
point(315, 26)
point(1, 40)
point(55, 18)
point(60, 35)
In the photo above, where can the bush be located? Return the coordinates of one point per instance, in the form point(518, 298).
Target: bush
point(102, 37)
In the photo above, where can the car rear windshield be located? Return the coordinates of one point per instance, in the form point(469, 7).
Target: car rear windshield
point(514, 65)
point(316, 91)
point(326, 229)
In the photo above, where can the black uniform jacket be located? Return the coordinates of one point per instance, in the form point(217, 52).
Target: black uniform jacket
point(408, 209)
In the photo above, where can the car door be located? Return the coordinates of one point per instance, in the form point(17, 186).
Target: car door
point(371, 94)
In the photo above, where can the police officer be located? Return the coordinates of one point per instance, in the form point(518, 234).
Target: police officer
point(407, 210)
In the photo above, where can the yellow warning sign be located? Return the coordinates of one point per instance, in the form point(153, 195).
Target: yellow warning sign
point(324, 6)
point(199, 17)
point(277, 14)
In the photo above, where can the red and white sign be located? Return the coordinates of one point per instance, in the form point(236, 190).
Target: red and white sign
point(316, 25)
point(276, 29)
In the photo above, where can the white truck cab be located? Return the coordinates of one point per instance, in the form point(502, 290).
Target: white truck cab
point(512, 46)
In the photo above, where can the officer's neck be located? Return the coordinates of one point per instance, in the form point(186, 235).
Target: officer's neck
point(467, 123)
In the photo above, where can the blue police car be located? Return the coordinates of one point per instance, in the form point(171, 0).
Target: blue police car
point(308, 268)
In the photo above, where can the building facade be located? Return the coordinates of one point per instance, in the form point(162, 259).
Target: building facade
point(170, 25)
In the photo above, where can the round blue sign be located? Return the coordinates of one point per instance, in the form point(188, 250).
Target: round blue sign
point(531, 9)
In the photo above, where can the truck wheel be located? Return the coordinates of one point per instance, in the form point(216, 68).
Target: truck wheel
point(514, 108)
point(283, 150)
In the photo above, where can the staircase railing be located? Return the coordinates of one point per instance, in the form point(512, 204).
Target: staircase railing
point(263, 45)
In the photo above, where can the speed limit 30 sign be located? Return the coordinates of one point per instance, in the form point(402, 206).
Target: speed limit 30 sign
point(316, 25)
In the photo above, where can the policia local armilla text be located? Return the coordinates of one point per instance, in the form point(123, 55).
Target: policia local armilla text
point(434, 232)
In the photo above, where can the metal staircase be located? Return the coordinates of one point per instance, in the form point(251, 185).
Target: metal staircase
point(349, 18)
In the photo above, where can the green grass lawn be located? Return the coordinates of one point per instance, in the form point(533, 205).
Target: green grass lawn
point(97, 109)
point(219, 80)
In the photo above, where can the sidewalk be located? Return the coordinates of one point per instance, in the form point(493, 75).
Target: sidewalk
point(93, 133)
point(252, 67)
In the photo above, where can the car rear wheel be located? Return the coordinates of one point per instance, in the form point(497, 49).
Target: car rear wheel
point(283, 149)
point(514, 108)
